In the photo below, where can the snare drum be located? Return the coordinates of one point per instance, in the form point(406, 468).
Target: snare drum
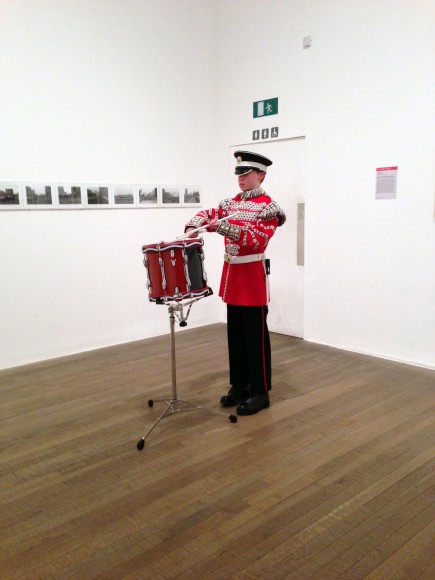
point(175, 270)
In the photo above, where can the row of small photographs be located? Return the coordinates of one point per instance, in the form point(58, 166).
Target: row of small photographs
point(41, 195)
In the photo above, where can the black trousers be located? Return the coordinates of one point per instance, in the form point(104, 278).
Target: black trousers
point(249, 348)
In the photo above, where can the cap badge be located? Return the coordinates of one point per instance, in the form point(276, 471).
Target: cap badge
point(239, 159)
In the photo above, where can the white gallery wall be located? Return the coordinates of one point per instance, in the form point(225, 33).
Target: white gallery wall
point(157, 91)
point(111, 91)
point(363, 95)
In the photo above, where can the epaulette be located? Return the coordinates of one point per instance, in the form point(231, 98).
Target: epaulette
point(273, 211)
point(225, 203)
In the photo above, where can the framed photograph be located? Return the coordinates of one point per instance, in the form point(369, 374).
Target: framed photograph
point(10, 195)
point(191, 195)
point(97, 195)
point(124, 195)
point(38, 195)
point(69, 195)
point(171, 195)
point(148, 195)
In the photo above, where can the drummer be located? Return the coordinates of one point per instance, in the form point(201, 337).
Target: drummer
point(244, 284)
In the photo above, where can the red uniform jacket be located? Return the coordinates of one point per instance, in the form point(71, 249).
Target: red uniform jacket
point(247, 233)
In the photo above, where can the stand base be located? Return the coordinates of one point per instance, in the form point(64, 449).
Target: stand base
point(172, 406)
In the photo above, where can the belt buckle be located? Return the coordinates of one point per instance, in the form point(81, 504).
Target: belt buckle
point(227, 258)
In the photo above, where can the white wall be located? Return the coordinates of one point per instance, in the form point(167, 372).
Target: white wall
point(98, 90)
point(133, 91)
point(364, 96)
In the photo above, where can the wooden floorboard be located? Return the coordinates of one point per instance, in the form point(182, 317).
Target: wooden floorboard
point(335, 480)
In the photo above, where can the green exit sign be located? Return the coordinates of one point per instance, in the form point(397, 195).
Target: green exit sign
point(265, 108)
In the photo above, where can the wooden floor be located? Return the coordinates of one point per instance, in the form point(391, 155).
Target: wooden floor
point(333, 481)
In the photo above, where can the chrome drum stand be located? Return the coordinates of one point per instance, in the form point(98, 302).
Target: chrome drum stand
point(174, 404)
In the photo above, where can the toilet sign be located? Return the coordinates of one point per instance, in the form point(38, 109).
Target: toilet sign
point(264, 134)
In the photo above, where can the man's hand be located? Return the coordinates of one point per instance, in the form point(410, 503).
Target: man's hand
point(212, 225)
point(194, 235)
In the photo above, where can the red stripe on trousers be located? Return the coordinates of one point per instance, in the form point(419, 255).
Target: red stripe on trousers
point(262, 348)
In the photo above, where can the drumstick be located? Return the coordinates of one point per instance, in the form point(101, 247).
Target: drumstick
point(204, 228)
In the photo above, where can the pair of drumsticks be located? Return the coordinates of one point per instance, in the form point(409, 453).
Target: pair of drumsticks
point(204, 228)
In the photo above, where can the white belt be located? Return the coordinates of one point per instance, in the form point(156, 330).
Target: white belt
point(243, 259)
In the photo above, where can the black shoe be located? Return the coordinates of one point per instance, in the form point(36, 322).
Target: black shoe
point(234, 397)
point(254, 404)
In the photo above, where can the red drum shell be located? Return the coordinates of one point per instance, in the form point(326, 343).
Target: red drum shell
point(175, 270)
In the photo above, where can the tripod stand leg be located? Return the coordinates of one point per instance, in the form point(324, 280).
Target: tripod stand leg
point(141, 442)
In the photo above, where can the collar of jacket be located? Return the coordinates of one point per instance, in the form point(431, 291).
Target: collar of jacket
point(252, 193)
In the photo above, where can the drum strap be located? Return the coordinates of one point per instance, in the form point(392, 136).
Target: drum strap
point(243, 259)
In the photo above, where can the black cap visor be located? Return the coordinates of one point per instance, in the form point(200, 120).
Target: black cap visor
point(243, 170)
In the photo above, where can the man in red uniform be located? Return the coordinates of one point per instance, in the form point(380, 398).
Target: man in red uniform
point(244, 285)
